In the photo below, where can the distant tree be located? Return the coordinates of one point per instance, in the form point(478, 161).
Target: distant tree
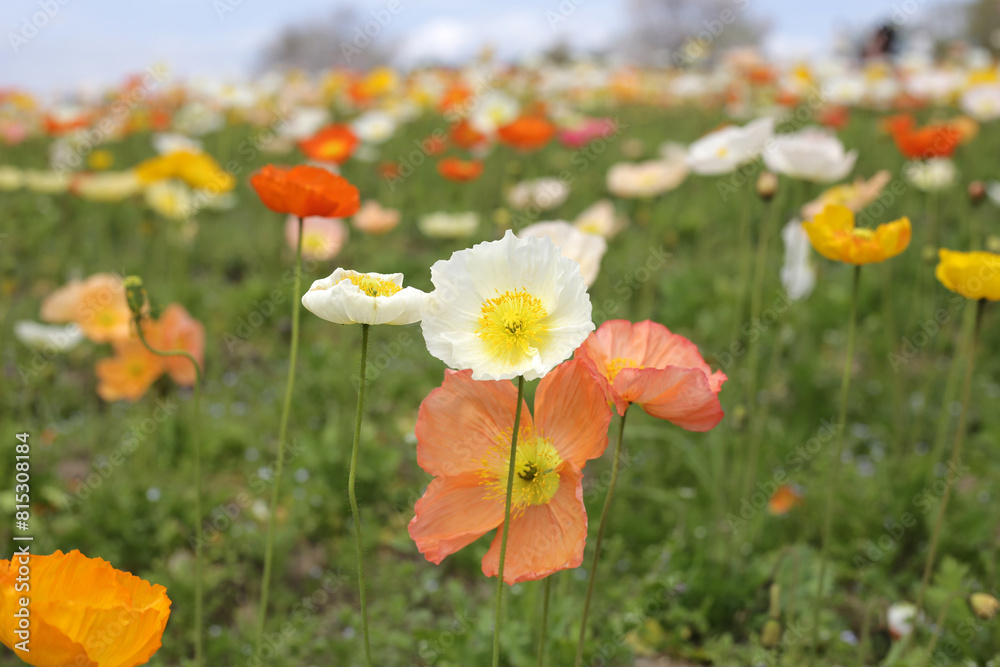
point(982, 23)
point(679, 32)
point(346, 39)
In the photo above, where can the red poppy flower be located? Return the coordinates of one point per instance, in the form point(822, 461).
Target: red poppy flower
point(333, 143)
point(305, 190)
point(460, 170)
point(662, 372)
point(466, 136)
point(937, 140)
point(527, 133)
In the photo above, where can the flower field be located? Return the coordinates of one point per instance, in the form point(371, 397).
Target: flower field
point(565, 364)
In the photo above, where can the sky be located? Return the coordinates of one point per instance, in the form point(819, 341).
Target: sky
point(51, 45)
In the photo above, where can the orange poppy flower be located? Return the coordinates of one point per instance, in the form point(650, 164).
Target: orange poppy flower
point(129, 374)
point(177, 330)
point(466, 136)
point(333, 143)
point(305, 190)
point(455, 169)
point(938, 140)
point(454, 98)
point(662, 372)
point(784, 498)
point(463, 439)
point(833, 234)
point(836, 117)
point(83, 612)
point(527, 133)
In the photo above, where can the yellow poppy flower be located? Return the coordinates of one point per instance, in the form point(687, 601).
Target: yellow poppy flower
point(833, 235)
point(974, 275)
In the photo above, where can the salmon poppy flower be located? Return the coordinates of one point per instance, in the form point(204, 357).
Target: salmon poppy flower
point(527, 133)
point(662, 372)
point(83, 612)
point(455, 169)
point(177, 330)
point(97, 305)
point(833, 235)
point(974, 275)
point(306, 191)
point(129, 374)
point(322, 238)
point(333, 143)
point(463, 439)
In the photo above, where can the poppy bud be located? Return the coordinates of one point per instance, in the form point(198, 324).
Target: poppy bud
point(135, 294)
point(770, 634)
point(977, 192)
point(984, 605)
point(767, 185)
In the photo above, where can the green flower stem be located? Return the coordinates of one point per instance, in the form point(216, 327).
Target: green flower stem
point(199, 635)
point(833, 475)
point(354, 499)
point(956, 452)
point(280, 462)
point(545, 620)
point(600, 539)
point(506, 520)
point(942, 616)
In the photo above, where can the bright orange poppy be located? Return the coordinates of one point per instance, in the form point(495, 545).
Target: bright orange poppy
point(833, 234)
point(83, 612)
point(305, 190)
point(333, 143)
point(662, 372)
point(527, 133)
point(463, 439)
point(455, 169)
point(938, 140)
point(784, 498)
point(465, 136)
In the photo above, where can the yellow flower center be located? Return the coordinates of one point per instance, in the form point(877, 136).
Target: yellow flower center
point(314, 242)
point(616, 365)
point(511, 324)
point(722, 151)
point(333, 149)
point(864, 233)
point(536, 470)
point(371, 285)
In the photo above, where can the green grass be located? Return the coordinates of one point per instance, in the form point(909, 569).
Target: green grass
point(676, 578)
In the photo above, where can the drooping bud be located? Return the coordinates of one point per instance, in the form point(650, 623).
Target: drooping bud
point(977, 192)
point(767, 185)
point(135, 294)
point(984, 605)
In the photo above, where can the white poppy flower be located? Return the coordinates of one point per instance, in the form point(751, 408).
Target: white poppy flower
point(582, 247)
point(810, 155)
point(374, 127)
point(931, 175)
point(47, 337)
point(349, 297)
point(506, 308)
point(722, 151)
point(798, 275)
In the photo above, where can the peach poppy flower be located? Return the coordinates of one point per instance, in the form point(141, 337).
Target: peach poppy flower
point(455, 169)
point(130, 373)
point(83, 612)
point(333, 143)
point(177, 330)
point(463, 439)
point(306, 191)
point(97, 305)
point(322, 238)
point(662, 372)
point(373, 218)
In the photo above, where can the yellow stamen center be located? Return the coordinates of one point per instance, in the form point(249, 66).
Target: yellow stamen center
point(864, 232)
point(511, 325)
point(536, 470)
point(371, 285)
point(616, 365)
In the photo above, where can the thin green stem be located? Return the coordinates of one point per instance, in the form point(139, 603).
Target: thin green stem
point(199, 596)
point(600, 538)
point(506, 520)
point(833, 476)
point(545, 620)
point(354, 499)
point(279, 464)
point(956, 453)
point(940, 626)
